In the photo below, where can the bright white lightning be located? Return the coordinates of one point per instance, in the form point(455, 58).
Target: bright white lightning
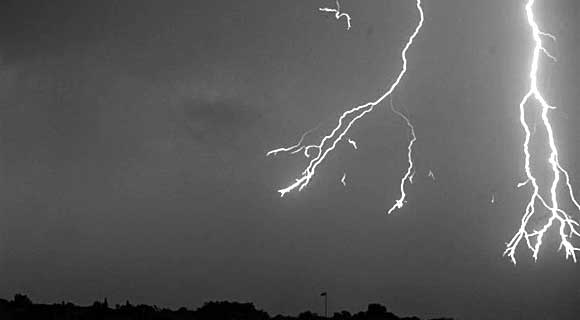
point(338, 14)
point(409, 174)
point(567, 225)
point(348, 118)
point(343, 180)
point(353, 143)
point(294, 148)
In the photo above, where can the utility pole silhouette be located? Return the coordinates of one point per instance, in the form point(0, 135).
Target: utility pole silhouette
point(325, 295)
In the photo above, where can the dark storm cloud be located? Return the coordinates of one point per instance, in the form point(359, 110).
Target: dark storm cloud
point(33, 28)
point(219, 120)
point(137, 33)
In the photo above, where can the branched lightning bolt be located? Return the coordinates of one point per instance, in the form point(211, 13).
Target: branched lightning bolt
point(337, 14)
point(409, 174)
point(294, 148)
point(348, 118)
point(567, 225)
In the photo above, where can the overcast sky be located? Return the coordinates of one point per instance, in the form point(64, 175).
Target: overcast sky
point(132, 155)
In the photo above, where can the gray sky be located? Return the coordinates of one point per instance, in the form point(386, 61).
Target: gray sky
point(133, 138)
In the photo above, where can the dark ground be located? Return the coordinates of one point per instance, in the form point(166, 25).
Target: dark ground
point(21, 307)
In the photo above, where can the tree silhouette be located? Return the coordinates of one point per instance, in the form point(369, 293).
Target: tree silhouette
point(21, 307)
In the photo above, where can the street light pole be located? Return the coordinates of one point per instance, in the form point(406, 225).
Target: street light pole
point(325, 295)
point(326, 306)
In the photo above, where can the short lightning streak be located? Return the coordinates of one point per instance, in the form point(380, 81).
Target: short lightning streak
point(431, 175)
point(567, 225)
point(353, 143)
point(338, 14)
point(409, 174)
point(348, 118)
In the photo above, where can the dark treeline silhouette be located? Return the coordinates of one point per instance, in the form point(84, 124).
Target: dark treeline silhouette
point(22, 308)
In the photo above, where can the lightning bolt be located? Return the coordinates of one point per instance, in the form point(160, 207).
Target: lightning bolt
point(338, 14)
point(349, 117)
point(567, 225)
point(343, 179)
point(409, 174)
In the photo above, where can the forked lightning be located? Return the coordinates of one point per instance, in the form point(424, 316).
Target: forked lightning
point(567, 225)
point(346, 121)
